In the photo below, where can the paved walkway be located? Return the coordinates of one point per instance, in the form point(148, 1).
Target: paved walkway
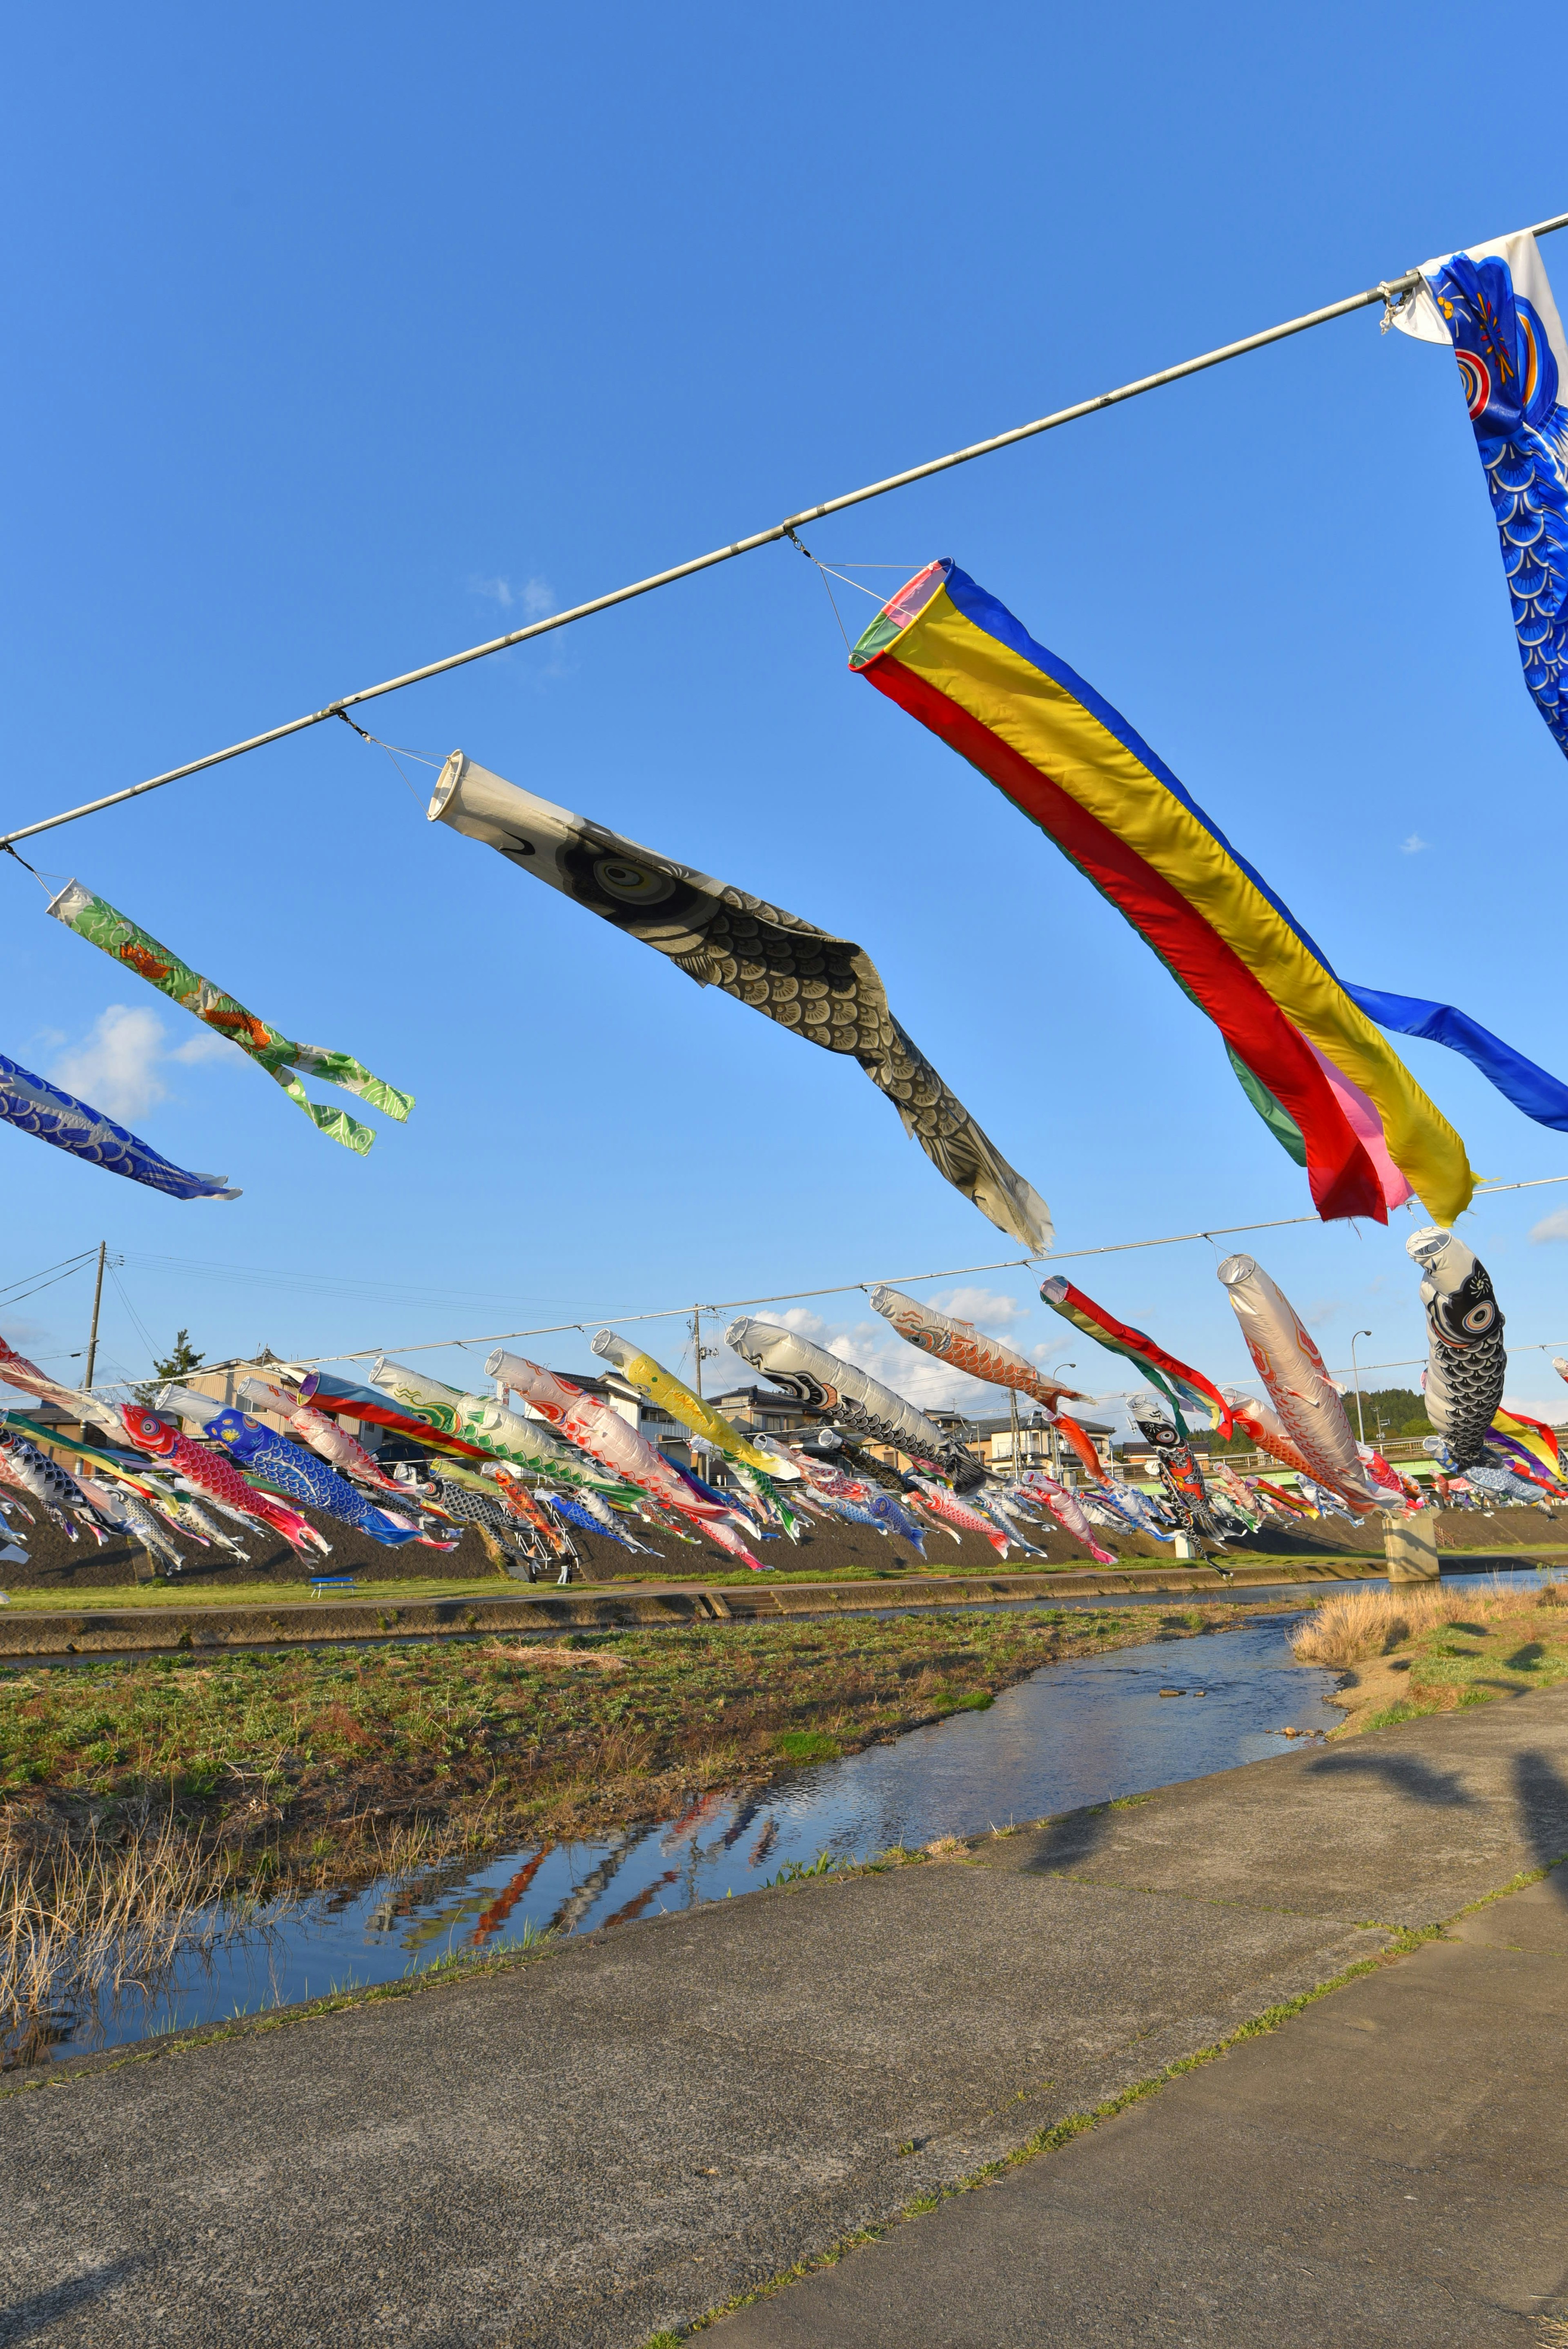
point(644, 2123)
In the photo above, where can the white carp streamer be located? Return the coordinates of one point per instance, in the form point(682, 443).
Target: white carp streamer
point(825, 1382)
point(1291, 1368)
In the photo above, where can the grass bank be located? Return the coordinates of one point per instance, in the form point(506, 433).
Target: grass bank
point(1405, 1653)
point(283, 1759)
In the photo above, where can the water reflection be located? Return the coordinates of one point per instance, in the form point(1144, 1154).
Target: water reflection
point(1086, 1730)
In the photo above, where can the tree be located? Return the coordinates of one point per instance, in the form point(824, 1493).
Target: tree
point(177, 1365)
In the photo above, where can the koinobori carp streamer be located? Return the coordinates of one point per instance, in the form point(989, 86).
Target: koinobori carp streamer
point(1306, 1397)
point(1177, 1381)
point(824, 1382)
point(1466, 1362)
point(820, 987)
point(36, 1107)
point(103, 926)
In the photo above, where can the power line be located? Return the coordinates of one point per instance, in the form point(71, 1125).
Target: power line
point(1386, 293)
point(891, 1280)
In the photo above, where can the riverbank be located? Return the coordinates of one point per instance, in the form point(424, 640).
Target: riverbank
point(285, 1762)
point(1418, 1651)
point(169, 1620)
point(631, 2131)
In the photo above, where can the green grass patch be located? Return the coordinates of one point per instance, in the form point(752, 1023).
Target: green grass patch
point(188, 1595)
point(807, 1745)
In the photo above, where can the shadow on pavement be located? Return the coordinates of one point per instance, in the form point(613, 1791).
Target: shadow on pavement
point(62, 2300)
point(1543, 1799)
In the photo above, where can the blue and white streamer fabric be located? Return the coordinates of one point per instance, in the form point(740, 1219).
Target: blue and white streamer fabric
point(1494, 305)
point(50, 1115)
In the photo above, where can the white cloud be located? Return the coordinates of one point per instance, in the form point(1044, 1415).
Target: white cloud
point(115, 1067)
point(1322, 1309)
point(1551, 1228)
point(1552, 1409)
point(1413, 845)
point(985, 1308)
point(206, 1045)
point(534, 599)
point(118, 1066)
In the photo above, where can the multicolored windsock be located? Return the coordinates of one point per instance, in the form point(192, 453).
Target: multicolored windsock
point(42, 1110)
point(1493, 305)
point(95, 919)
point(957, 659)
point(1515, 1431)
point(823, 988)
point(1176, 1381)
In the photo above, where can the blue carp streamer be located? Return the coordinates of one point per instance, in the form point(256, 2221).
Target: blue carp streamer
point(42, 1110)
point(304, 1477)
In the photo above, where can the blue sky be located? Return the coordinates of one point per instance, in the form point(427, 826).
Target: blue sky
point(344, 336)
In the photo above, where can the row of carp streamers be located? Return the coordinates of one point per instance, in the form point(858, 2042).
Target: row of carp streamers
point(572, 1460)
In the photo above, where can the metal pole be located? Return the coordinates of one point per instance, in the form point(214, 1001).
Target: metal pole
point(1360, 1420)
point(697, 1348)
point(97, 1300)
point(1386, 292)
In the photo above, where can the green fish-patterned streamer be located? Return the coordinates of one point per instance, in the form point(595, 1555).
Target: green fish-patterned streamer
point(103, 926)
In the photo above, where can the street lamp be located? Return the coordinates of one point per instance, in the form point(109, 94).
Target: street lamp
point(1360, 1422)
point(1055, 1372)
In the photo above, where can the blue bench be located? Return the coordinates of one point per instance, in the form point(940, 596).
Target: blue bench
point(322, 1583)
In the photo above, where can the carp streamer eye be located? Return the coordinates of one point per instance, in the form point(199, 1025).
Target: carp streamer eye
point(632, 884)
point(1479, 1319)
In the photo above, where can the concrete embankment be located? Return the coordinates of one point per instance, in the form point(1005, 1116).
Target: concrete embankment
point(585, 1607)
point(629, 2131)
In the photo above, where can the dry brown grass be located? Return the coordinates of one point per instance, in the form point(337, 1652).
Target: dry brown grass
point(554, 1655)
point(89, 1915)
point(1357, 1624)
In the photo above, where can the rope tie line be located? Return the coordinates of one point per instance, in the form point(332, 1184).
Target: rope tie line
point(789, 529)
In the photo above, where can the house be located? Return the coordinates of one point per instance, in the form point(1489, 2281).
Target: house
point(1039, 1444)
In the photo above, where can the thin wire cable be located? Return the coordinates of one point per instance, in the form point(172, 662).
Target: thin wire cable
point(67, 1275)
point(84, 1258)
point(1387, 292)
point(141, 1329)
point(848, 1288)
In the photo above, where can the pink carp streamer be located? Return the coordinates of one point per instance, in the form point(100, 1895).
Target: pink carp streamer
point(1065, 1510)
point(944, 1504)
point(598, 1429)
point(323, 1435)
point(1306, 1397)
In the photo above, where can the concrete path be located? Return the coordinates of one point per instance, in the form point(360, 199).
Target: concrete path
point(644, 2125)
point(1389, 2169)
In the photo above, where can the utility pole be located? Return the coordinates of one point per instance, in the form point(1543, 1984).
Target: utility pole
point(699, 1351)
point(97, 1300)
point(1017, 1462)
